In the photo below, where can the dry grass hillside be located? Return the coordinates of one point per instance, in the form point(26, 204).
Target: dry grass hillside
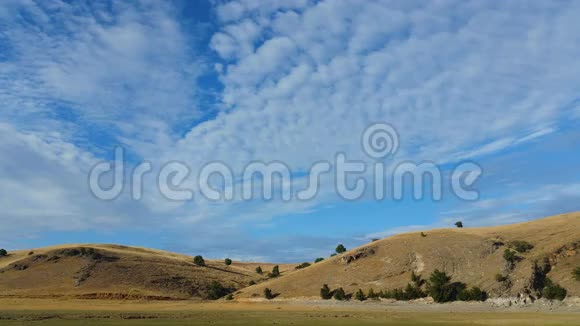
point(113, 271)
point(470, 255)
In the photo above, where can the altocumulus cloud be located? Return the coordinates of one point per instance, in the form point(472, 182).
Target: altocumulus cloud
point(300, 81)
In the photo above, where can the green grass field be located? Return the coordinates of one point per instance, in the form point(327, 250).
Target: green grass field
point(282, 318)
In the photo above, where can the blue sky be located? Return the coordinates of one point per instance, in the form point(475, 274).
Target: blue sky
point(292, 81)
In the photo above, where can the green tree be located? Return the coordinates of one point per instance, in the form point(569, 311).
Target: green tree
point(510, 256)
point(216, 291)
point(325, 292)
point(303, 265)
point(340, 249)
point(553, 291)
point(521, 246)
point(339, 294)
point(459, 224)
point(259, 270)
point(275, 272)
point(473, 294)
point(318, 260)
point(438, 286)
point(3, 252)
point(268, 294)
point(199, 261)
point(227, 261)
point(360, 295)
point(576, 274)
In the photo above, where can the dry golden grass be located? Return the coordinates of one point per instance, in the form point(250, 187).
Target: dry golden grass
point(471, 255)
point(121, 272)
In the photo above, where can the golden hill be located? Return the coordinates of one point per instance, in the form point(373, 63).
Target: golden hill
point(113, 271)
point(470, 255)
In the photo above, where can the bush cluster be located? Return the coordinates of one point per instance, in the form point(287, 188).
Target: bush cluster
point(521, 246)
point(227, 261)
point(3, 252)
point(303, 265)
point(439, 286)
point(510, 256)
point(553, 291)
point(318, 260)
point(216, 291)
point(441, 289)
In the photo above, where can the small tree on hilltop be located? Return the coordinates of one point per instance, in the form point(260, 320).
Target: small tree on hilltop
point(459, 224)
point(340, 249)
point(3, 252)
point(318, 260)
point(228, 261)
point(199, 261)
point(268, 294)
point(259, 270)
point(325, 292)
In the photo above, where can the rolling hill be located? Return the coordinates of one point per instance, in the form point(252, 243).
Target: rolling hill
point(114, 271)
point(470, 255)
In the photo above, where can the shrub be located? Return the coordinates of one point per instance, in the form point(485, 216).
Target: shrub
point(325, 292)
point(423, 235)
point(339, 294)
point(340, 249)
point(251, 283)
point(500, 278)
point(333, 254)
point(268, 294)
point(375, 239)
point(303, 265)
point(521, 246)
point(227, 261)
point(318, 260)
point(199, 261)
point(459, 224)
point(30, 253)
point(259, 270)
point(230, 297)
point(510, 256)
point(359, 295)
point(439, 287)
point(473, 294)
point(372, 294)
point(3, 252)
point(416, 279)
point(576, 274)
point(553, 291)
point(216, 291)
point(411, 292)
point(275, 272)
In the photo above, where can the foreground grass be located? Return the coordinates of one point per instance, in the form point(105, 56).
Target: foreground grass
point(282, 318)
